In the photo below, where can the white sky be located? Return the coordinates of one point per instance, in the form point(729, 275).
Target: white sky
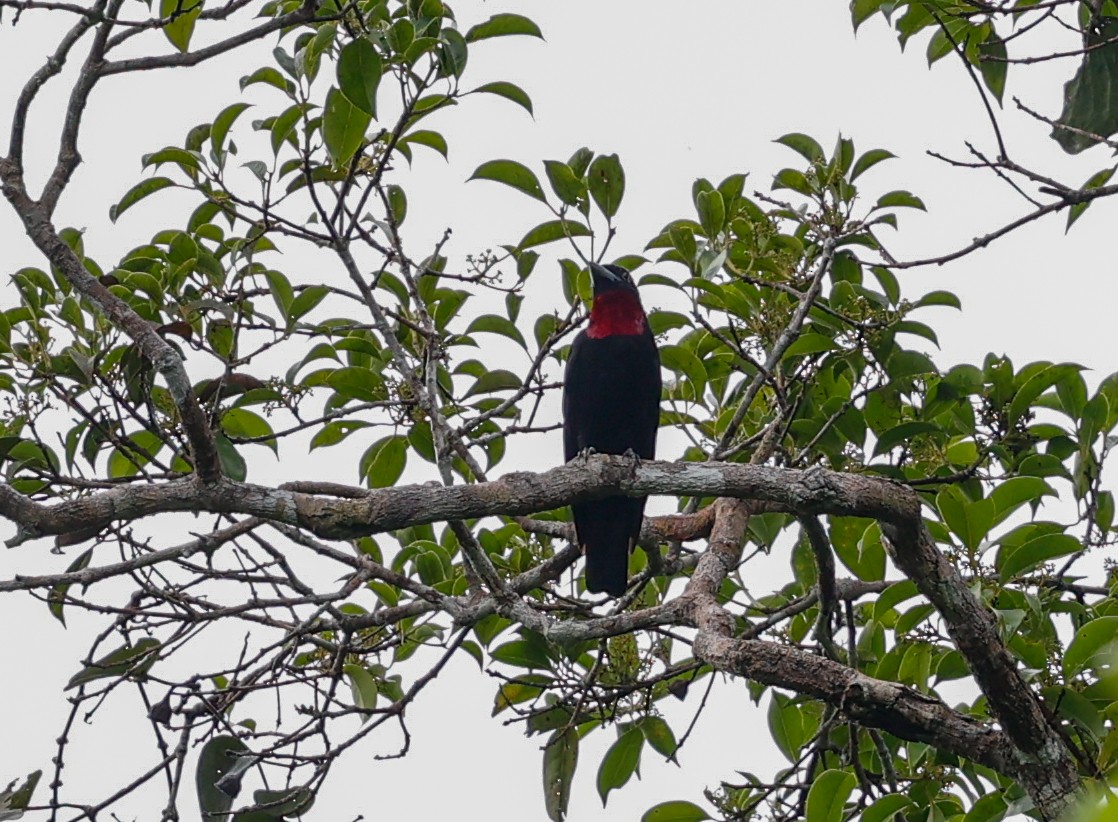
point(679, 91)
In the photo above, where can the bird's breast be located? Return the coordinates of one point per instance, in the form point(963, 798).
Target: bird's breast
point(616, 313)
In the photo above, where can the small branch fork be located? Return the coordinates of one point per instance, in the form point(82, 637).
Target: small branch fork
point(1011, 172)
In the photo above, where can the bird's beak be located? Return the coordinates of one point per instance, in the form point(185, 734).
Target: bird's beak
point(600, 272)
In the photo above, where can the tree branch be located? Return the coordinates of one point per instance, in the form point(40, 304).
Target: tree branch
point(386, 509)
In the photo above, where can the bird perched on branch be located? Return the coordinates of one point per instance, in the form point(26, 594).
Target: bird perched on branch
point(611, 405)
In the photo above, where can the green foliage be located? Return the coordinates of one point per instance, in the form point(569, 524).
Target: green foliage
point(14, 800)
point(782, 324)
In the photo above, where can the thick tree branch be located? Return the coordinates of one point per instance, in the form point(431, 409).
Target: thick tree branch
point(387, 509)
point(31, 88)
point(68, 155)
point(888, 706)
point(1046, 768)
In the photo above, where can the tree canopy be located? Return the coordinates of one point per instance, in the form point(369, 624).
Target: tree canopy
point(940, 646)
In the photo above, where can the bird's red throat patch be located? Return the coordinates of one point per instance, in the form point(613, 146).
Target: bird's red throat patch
point(615, 312)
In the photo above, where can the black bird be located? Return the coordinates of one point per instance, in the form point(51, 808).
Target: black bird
point(611, 404)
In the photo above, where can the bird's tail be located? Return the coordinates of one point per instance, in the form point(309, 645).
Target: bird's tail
point(607, 530)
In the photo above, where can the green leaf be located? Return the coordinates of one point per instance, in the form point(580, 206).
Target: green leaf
point(522, 653)
point(1036, 385)
point(511, 173)
point(560, 758)
point(969, 521)
point(1104, 513)
point(282, 292)
point(868, 161)
point(606, 179)
point(1089, 640)
point(989, 808)
point(1013, 562)
point(181, 16)
point(793, 180)
point(510, 91)
point(138, 192)
point(551, 231)
point(431, 139)
point(283, 128)
point(900, 199)
point(828, 795)
point(219, 335)
point(503, 25)
point(383, 462)
point(269, 75)
point(787, 726)
point(357, 383)
point(14, 801)
point(902, 434)
point(364, 687)
point(242, 423)
point(499, 379)
point(620, 762)
point(545, 326)
point(1015, 492)
point(287, 803)
point(810, 343)
point(888, 282)
point(662, 321)
point(862, 10)
point(221, 756)
point(127, 462)
point(712, 212)
point(133, 660)
point(306, 300)
point(859, 549)
point(453, 53)
point(1098, 179)
point(803, 145)
point(334, 432)
point(678, 810)
point(568, 187)
point(496, 324)
point(56, 599)
point(400, 35)
point(232, 463)
point(909, 363)
point(895, 594)
point(1091, 96)
point(886, 808)
point(343, 126)
point(938, 298)
point(660, 736)
point(580, 161)
point(359, 73)
point(681, 360)
point(992, 64)
point(223, 123)
point(397, 203)
point(186, 160)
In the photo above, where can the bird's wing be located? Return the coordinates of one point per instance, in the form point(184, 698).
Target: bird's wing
point(571, 377)
point(647, 407)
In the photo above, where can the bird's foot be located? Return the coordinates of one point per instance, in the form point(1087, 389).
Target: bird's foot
point(635, 462)
point(586, 453)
